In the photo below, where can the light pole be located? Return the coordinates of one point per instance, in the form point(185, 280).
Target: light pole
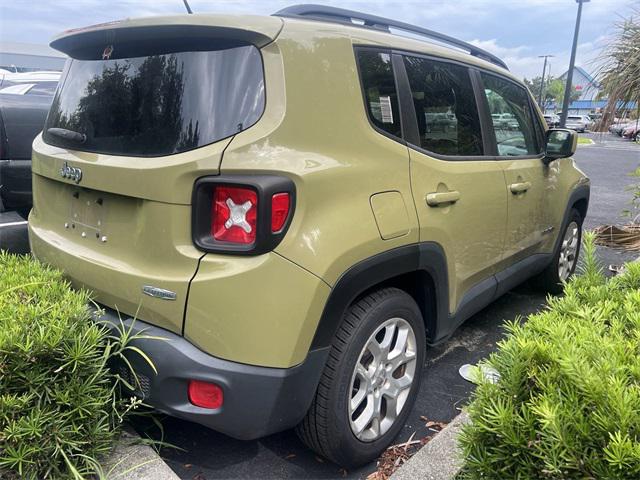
point(572, 62)
point(544, 69)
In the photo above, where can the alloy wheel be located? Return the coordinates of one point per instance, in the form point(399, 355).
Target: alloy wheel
point(568, 251)
point(382, 379)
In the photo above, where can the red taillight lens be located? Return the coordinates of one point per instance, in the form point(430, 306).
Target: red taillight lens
point(279, 211)
point(234, 213)
point(205, 394)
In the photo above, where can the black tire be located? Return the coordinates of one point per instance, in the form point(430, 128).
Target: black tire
point(549, 280)
point(326, 429)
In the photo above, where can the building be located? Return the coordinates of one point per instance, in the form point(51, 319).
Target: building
point(589, 89)
point(584, 83)
point(28, 57)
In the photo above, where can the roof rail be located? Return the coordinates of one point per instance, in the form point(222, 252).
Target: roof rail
point(341, 15)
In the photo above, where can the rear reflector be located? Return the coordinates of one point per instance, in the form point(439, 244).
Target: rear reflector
point(279, 211)
point(205, 394)
point(235, 214)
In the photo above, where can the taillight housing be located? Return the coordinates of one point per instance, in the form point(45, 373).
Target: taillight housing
point(241, 214)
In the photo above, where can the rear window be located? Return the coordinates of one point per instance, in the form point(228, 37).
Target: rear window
point(158, 104)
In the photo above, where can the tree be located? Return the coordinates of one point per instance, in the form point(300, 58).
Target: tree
point(533, 85)
point(553, 90)
point(619, 73)
point(619, 77)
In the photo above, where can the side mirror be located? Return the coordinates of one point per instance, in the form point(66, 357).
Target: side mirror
point(561, 143)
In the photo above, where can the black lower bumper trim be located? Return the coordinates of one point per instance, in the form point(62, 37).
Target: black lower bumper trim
point(258, 401)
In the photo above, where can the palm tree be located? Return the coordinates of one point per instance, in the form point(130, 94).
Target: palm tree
point(619, 71)
point(619, 77)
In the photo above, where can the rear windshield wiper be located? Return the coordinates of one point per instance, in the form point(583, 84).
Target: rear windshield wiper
point(68, 135)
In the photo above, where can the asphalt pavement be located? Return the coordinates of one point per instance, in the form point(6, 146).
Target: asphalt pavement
point(204, 454)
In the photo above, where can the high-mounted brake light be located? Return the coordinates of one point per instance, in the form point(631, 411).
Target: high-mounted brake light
point(279, 211)
point(234, 215)
point(205, 394)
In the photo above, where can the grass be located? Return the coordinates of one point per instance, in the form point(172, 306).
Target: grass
point(585, 141)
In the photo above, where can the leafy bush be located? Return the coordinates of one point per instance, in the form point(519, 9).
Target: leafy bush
point(567, 404)
point(59, 408)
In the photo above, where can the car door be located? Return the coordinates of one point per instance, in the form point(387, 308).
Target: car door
point(458, 192)
point(519, 146)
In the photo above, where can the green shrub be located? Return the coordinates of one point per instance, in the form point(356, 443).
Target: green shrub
point(59, 408)
point(567, 404)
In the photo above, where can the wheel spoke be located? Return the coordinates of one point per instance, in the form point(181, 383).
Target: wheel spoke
point(402, 383)
point(375, 427)
point(392, 407)
point(360, 395)
point(363, 420)
point(364, 373)
point(380, 351)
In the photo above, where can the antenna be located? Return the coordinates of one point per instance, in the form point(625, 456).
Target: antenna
point(186, 5)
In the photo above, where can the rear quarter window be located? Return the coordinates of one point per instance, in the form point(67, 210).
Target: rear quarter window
point(159, 104)
point(379, 88)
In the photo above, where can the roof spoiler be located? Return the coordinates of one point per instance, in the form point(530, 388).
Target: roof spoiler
point(89, 42)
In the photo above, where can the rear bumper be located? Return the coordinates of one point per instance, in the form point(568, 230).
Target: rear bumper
point(258, 401)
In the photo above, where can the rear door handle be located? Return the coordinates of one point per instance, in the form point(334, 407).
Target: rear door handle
point(521, 187)
point(435, 199)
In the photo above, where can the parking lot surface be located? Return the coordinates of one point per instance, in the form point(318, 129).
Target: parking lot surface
point(204, 454)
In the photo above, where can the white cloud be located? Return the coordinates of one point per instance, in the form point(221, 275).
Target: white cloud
point(524, 60)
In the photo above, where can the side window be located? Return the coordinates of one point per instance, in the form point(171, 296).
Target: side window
point(446, 110)
point(512, 118)
point(380, 93)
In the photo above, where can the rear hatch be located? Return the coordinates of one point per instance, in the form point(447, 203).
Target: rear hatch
point(144, 108)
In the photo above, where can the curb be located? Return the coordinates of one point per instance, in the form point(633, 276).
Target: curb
point(439, 459)
point(133, 460)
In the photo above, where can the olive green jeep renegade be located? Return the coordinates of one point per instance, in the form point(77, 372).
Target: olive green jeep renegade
point(299, 204)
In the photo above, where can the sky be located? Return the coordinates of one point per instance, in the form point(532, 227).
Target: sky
point(518, 31)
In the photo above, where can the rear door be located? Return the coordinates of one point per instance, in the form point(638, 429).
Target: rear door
point(458, 192)
point(519, 147)
point(139, 116)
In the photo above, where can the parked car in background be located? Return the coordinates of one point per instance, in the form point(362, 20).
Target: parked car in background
point(552, 119)
point(631, 131)
point(620, 127)
point(617, 128)
point(506, 121)
point(579, 123)
point(25, 99)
